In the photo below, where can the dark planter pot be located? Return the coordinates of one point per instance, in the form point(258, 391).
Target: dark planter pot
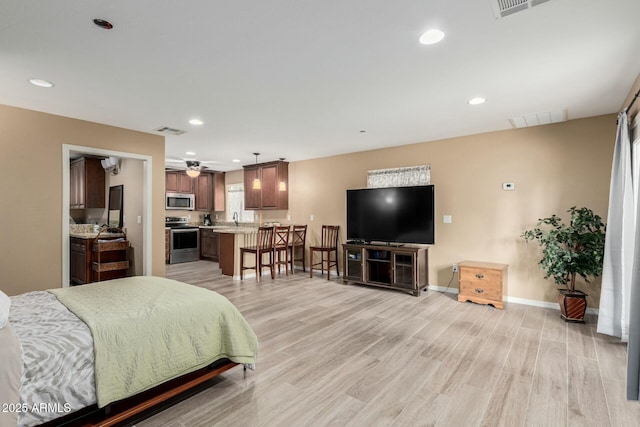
point(573, 305)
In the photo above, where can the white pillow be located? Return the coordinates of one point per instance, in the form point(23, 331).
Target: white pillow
point(5, 305)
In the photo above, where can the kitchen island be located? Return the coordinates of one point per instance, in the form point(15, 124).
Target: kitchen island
point(231, 239)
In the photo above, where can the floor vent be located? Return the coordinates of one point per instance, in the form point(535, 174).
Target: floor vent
point(502, 8)
point(172, 131)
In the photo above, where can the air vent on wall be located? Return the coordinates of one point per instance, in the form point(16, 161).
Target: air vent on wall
point(502, 8)
point(173, 131)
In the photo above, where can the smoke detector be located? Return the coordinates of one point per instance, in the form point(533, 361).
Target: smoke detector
point(502, 8)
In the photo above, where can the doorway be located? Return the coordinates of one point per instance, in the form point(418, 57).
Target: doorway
point(74, 150)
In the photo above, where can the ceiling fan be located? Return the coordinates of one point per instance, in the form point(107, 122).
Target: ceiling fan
point(192, 166)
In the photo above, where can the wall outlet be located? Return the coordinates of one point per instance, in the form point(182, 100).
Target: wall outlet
point(454, 268)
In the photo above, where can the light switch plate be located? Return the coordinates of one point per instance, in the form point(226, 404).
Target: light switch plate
point(447, 219)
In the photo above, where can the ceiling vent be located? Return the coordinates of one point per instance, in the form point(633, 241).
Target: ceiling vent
point(502, 8)
point(172, 131)
point(537, 119)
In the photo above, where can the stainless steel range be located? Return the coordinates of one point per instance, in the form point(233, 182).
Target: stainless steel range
point(184, 245)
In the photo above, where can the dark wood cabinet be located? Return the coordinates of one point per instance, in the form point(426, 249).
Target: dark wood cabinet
point(403, 268)
point(167, 245)
point(179, 182)
point(226, 256)
point(209, 244)
point(274, 181)
point(80, 261)
point(82, 258)
point(210, 191)
point(87, 184)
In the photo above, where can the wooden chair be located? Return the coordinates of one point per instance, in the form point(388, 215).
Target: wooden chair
point(263, 246)
point(298, 240)
point(329, 244)
point(281, 246)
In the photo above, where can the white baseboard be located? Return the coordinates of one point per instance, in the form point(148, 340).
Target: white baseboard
point(514, 300)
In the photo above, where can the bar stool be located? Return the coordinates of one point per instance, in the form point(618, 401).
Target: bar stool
point(264, 245)
point(298, 240)
point(329, 244)
point(280, 246)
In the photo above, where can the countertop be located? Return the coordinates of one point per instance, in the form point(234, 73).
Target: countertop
point(230, 229)
point(94, 235)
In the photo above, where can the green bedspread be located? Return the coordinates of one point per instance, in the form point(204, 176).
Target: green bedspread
point(147, 330)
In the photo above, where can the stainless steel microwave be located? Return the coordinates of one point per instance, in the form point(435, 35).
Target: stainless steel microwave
point(181, 201)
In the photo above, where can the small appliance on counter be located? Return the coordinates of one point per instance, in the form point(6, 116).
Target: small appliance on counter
point(207, 219)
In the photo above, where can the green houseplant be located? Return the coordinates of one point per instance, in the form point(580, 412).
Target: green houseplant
point(570, 250)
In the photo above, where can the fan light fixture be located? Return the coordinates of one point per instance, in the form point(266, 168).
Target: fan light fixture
point(257, 185)
point(193, 168)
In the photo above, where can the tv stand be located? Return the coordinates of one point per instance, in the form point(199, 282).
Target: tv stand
point(404, 268)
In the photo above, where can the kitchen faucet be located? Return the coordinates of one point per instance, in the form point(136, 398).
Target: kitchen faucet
point(235, 218)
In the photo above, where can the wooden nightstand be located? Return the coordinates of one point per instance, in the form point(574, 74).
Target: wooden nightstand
point(482, 282)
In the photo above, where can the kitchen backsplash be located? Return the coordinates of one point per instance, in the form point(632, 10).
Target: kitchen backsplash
point(83, 228)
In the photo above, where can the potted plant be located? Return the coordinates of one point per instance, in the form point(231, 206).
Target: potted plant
point(569, 250)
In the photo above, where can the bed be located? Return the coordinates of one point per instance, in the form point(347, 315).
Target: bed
point(89, 349)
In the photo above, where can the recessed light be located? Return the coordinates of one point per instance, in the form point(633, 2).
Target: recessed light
point(236, 160)
point(41, 83)
point(196, 122)
point(431, 37)
point(190, 153)
point(476, 101)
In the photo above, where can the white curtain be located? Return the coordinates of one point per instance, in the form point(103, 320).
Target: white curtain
point(633, 348)
point(399, 177)
point(619, 313)
point(613, 318)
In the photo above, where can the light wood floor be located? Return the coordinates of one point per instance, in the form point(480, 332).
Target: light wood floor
point(341, 355)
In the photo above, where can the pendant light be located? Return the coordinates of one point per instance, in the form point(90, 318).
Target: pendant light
point(257, 185)
point(282, 186)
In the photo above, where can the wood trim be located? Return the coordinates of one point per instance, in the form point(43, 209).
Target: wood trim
point(148, 404)
point(118, 412)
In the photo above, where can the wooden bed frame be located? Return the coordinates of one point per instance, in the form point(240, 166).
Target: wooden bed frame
point(136, 406)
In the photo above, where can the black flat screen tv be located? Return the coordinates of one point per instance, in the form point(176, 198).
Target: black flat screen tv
point(391, 215)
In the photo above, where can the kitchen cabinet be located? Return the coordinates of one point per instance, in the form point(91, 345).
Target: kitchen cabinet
point(179, 182)
point(209, 244)
point(274, 180)
point(167, 245)
point(87, 184)
point(80, 261)
point(210, 191)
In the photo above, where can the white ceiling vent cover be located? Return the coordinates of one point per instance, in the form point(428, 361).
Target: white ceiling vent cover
point(502, 8)
point(172, 131)
point(537, 119)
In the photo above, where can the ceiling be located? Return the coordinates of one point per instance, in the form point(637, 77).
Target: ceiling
point(303, 79)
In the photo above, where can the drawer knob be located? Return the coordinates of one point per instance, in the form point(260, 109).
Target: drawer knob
point(479, 290)
point(480, 276)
